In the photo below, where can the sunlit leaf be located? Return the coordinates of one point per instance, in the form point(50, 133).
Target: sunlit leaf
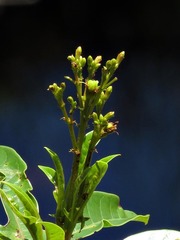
point(103, 210)
point(58, 177)
point(49, 172)
point(53, 231)
point(107, 159)
point(20, 205)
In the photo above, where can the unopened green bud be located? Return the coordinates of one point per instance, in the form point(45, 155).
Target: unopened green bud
point(113, 61)
point(102, 96)
point(78, 52)
point(95, 117)
point(98, 59)
point(114, 64)
point(108, 64)
point(92, 85)
point(120, 57)
point(109, 115)
point(109, 89)
point(101, 118)
point(71, 58)
point(89, 60)
point(70, 100)
point(108, 92)
point(63, 86)
point(82, 61)
point(73, 104)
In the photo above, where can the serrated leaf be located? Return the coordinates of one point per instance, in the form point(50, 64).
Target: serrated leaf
point(104, 210)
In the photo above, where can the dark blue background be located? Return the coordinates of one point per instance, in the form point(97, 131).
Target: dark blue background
point(35, 41)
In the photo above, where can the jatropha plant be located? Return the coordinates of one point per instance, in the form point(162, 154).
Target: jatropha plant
point(80, 209)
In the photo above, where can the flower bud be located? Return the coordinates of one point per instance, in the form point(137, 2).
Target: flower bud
point(70, 100)
point(73, 104)
point(78, 52)
point(108, 92)
point(102, 95)
point(120, 57)
point(108, 64)
point(82, 61)
point(89, 60)
point(98, 59)
point(63, 86)
point(71, 58)
point(101, 118)
point(92, 85)
point(109, 115)
point(95, 117)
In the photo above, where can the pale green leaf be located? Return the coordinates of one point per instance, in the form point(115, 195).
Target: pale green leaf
point(85, 148)
point(15, 229)
point(53, 231)
point(20, 205)
point(59, 178)
point(107, 159)
point(13, 168)
point(49, 172)
point(103, 210)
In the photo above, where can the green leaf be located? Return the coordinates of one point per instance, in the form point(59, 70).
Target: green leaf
point(103, 210)
point(20, 223)
point(13, 167)
point(93, 176)
point(84, 150)
point(53, 231)
point(85, 147)
point(109, 158)
point(20, 205)
point(50, 173)
point(25, 198)
point(96, 172)
point(15, 228)
point(58, 176)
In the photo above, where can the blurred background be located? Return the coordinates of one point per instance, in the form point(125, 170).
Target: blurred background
point(35, 39)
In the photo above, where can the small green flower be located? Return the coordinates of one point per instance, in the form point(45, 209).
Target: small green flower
point(92, 85)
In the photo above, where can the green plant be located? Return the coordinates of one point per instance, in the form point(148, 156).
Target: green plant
point(80, 210)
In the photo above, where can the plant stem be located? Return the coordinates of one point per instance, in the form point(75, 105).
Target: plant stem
point(70, 124)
